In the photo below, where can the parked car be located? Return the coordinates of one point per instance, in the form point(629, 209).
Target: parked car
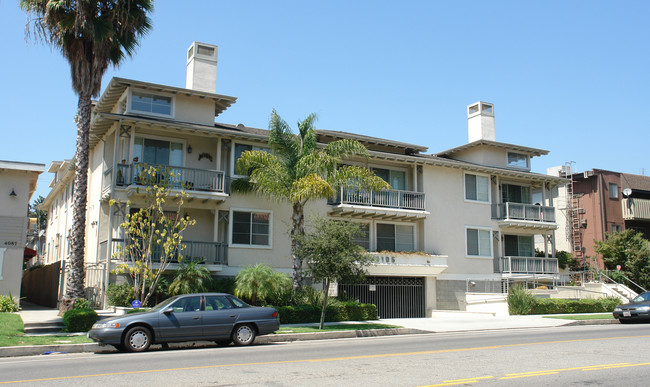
point(637, 309)
point(218, 317)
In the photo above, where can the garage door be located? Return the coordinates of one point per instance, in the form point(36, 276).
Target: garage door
point(395, 297)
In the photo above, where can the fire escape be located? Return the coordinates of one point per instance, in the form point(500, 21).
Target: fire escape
point(574, 211)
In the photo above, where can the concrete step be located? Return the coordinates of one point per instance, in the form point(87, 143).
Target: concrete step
point(43, 329)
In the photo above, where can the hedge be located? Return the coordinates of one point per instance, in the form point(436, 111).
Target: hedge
point(560, 305)
point(341, 311)
point(79, 320)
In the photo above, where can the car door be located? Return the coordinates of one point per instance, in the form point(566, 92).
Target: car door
point(183, 321)
point(219, 316)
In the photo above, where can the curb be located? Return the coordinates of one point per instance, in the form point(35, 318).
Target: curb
point(593, 322)
point(33, 350)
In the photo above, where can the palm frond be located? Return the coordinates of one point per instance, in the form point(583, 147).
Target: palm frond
point(311, 187)
point(307, 134)
point(282, 141)
point(346, 148)
point(357, 177)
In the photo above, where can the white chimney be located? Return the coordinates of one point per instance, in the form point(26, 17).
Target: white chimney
point(202, 67)
point(480, 121)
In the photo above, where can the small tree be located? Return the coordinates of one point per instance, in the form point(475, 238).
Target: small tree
point(628, 249)
point(332, 254)
point(153, 234)
point(260, 282)
point(191, 277)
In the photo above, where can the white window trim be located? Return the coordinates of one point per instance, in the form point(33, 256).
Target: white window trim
point(129, 101)
point(489, 201)
point(484, 228)
point(233, 172)
point(526, 168)
point(373, 232)
point(239, 245)
point(160, 138)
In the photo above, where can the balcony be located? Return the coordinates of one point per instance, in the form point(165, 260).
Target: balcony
point(636, 209)
point(406, 263)
point(380, 204)
point(193, 180)
point(210, 253)
point(526, 266)
point(524, 215)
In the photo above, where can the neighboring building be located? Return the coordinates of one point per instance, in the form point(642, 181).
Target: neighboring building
point(18, 181)
point(596, 203)
point(58, 205)
point(454, 222)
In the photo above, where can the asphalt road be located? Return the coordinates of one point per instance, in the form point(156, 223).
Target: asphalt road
point(602, 355)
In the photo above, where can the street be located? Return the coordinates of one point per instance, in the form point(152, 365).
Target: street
point(574, 355)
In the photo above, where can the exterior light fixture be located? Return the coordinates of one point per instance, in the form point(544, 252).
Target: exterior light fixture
point(13, 193)
point(189, 149)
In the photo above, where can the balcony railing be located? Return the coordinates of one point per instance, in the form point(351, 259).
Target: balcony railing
point(636, 209)
point(188, 178)
point(210, 253)
point(403, 200)
point(521, 211)
point(526, 265)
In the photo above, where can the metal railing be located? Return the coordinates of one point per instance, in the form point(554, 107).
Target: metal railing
point(210, 253)
point(405, 200)
point(521, 211)
point(527, 265)
point(188, 178)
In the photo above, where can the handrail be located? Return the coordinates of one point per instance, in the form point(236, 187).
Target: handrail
point(401, 199)
point(602, 274)
point(523, 211)
point(191, 178)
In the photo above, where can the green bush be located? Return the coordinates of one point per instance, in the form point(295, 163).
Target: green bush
point(559, 305)
point(337, 311)
point(520, 300)
point(136, 310)
point(81, 303)
point(223, 285)
point(120, 295)
point(8, 304)
point(79, 320)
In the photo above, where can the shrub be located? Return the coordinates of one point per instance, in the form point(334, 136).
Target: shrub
point(120, 295)
point(560, 305)
point(223, 285)
point(136, 310)
point(8, 304)
point(337, 311)
point(81, 303)
point(520, 300)
point(79, 320)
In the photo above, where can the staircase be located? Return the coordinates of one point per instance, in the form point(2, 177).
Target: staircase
point(45, 327)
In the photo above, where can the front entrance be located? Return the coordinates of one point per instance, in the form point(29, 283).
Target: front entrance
point(395, 297)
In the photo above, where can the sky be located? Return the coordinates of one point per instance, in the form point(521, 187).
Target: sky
point(570, 77)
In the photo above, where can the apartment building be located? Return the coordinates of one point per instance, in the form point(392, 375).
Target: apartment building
point(453, 222)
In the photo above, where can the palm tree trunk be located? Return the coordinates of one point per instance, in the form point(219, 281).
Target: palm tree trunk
point(75, 279)
point(298, 223)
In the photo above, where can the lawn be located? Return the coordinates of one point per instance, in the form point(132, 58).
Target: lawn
point(332, 328)
point(600, 316)
point(12, 334)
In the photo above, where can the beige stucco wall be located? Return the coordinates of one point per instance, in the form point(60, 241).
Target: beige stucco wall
point(195, 110)
point(484, 155)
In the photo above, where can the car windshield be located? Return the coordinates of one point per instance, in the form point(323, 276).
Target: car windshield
point(164, 303)
point(642, 297)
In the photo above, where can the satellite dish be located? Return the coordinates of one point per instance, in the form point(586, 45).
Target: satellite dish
point(627, 192)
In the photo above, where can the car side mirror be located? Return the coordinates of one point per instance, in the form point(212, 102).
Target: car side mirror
point(168, 310)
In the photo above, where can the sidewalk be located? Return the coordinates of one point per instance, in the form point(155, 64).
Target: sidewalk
point(443, 321)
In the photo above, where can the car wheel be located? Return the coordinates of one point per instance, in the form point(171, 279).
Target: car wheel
point(137, 339)
point(243, 335)
point(223, 343)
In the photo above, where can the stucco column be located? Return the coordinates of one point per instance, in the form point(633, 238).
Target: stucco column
point(430, 303)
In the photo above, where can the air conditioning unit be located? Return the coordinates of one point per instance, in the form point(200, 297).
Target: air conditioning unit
point(583, 223)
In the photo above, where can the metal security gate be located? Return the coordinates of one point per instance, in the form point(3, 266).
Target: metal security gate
point(395, 297)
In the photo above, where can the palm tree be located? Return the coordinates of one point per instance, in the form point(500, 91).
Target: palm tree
point(191, 277)
point(297, 171)
point(260, 282)
point(91, 35)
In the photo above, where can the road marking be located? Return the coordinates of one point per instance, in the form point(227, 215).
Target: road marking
point(355, 358)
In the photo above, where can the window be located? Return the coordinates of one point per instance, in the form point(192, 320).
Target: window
point(396, 179)
point(395, 237)
point(217, 303)
point(518, 160)
point(479, 243)
point(518, 245)
point(364, 239)
point(187, 304)
point(515, 194)
point(477, 188)
point(151, 103)
point(241, 148)
point(616, 228)
point(251, 228)
point(158, 152)
point(613, 191)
